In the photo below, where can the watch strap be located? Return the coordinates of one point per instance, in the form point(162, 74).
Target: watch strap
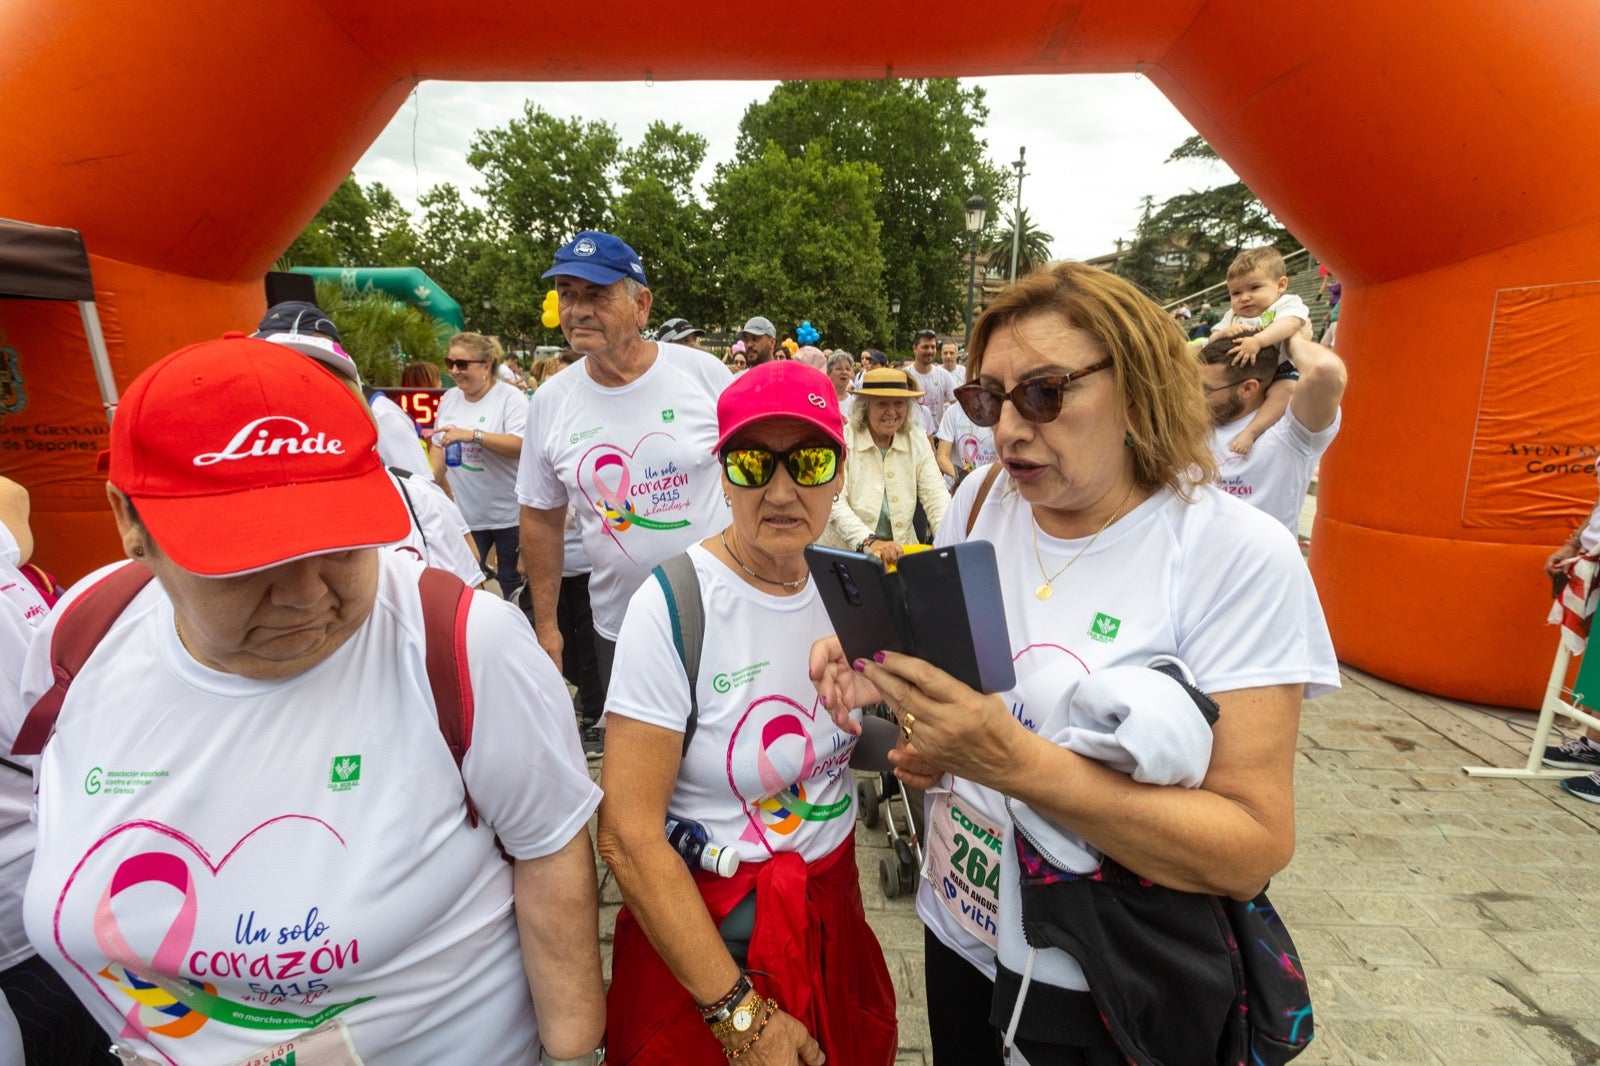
point(593, 1058)
point(723, 1009)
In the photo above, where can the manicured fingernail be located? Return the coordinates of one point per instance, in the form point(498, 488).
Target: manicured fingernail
point(879, 656)
point(859, 666)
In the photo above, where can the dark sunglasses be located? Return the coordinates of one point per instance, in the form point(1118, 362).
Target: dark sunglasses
point(462, 364)
point(809, 465)
point(1037, 400)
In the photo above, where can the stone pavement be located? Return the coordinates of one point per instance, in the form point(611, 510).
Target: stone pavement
point(1440, 918)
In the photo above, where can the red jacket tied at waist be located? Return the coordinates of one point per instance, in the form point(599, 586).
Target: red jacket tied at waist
point(811, 950)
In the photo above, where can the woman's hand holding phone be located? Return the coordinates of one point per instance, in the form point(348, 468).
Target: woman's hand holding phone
point(841, 687)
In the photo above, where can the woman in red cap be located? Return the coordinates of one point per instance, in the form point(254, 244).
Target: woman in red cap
point(776, 965)
point(254, 843)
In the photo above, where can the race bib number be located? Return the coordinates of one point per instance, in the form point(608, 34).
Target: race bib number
point(963, 864)
point(326, 1045)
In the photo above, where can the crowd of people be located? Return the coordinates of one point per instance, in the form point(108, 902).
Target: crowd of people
point(300, 786)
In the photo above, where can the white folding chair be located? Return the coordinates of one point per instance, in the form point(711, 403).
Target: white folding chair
point(1558, 699)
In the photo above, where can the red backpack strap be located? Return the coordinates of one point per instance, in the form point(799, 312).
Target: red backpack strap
point(79, 630)
point(445, 601)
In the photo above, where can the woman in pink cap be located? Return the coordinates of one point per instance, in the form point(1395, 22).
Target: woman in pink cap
point(776, 964)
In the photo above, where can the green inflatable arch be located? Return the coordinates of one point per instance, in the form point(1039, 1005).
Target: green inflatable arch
point(403, 283)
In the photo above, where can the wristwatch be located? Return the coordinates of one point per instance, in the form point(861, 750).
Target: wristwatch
point(477, 436)
point(866, 542)
point(593, 1058)
point(740, 1020)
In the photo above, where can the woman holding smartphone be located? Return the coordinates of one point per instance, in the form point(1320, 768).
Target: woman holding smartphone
point(750, 756)
point(1112, 548)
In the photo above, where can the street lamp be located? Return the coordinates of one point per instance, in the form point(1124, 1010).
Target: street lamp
point(488, 305)
point(894, 323)
point(1016, 215)
point(976, 207)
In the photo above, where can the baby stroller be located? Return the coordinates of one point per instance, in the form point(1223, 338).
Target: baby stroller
point(885, 799)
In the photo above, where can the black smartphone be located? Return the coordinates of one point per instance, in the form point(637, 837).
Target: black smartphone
point(942, 605)
point(863, 600)
point(958, 618)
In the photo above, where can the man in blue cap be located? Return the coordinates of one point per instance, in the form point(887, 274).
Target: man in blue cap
point(626, 441)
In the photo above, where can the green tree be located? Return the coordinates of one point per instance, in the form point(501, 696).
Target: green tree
point(356, 227)
point(1033, 250)
point(381, 333)
point(1186, 243)
point(799, 241)
point(923, 135)
point(546, 177)
point(659, 215)
point(340, 234)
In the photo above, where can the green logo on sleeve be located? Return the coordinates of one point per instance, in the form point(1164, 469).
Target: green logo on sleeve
point(346, 773)
point(1104, 628)
point(668, 415)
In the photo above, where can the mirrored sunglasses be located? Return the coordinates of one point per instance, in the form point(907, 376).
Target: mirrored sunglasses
point(1037, 399)
point(809, 465)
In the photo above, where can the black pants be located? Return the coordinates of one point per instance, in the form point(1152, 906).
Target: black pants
point(56, 1029)
point(505, 553)
point(604, 652)
point(959, 997)
point(580, 663)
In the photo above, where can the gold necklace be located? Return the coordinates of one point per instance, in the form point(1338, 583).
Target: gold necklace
point(1044, 591)
point(791, 585)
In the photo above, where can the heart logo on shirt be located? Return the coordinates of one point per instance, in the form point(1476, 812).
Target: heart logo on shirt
point(164, 990)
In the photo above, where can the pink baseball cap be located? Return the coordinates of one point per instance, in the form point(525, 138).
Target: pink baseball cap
point(782, 388)
point(240, 454)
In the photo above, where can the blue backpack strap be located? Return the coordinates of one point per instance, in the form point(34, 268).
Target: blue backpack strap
point(680, 584)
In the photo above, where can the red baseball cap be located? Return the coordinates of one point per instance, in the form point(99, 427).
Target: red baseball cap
point(779, 389)
point(241, 454)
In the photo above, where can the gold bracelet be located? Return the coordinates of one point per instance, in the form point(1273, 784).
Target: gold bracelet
point(771, 1009)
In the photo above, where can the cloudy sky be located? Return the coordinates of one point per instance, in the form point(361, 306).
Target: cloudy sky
point(1095, 143)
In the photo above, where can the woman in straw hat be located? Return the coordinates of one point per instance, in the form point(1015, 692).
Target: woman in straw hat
point(889, 469)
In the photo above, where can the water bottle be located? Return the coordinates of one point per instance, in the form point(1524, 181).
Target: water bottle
point(452, 453)
point(691, 840)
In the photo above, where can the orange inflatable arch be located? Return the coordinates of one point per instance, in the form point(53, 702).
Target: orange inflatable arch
point(1442, 158)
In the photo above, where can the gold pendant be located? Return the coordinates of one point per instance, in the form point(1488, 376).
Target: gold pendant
point(1043, 592)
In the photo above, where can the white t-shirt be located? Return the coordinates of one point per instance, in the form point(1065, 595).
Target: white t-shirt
point(1286, 305)
point(574, 560)
point(1589, 535)
point(301, 845)
point(1275, 475)
point(438, 534)
point(398, 443)
point(485, 484)
point(1212, 582)
point(767, 770)
point(21, 610)
point(938, 391)
point(635, 461)
point(971, 445)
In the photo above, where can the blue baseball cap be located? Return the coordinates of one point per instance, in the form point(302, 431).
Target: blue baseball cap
point(597, 257)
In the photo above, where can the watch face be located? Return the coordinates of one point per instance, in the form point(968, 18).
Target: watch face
point(743, 1018)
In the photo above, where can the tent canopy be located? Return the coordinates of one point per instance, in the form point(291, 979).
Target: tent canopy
point(43, 262)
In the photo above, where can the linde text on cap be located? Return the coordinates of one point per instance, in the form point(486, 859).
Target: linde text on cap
point(264, 443)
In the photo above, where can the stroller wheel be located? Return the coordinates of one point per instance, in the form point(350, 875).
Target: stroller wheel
point(908, 859)
point(867, 796)
point(888, 878)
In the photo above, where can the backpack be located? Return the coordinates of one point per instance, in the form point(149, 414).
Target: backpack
point(687, 613)
point(87, 619)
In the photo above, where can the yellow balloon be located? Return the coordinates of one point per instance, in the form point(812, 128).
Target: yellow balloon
point(551, 317)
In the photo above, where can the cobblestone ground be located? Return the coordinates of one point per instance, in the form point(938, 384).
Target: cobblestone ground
point(1441, 918)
